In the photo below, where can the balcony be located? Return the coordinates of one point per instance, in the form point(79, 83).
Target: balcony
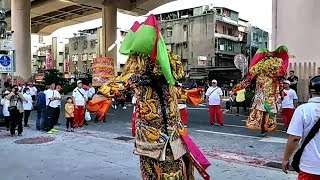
point(232, 38)
point(226, 20)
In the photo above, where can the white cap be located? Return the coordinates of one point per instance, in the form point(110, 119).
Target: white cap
point(214, 81)
point(179, 84)
point(286, 82)
point(79, 81)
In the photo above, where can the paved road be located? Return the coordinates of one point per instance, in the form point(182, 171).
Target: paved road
point(232, 143)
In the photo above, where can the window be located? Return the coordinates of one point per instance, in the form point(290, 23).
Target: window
point(230, 32)
point(162, 31)
point(169, 31)
point(224, 30)
point(185, 28)
point(60, 53)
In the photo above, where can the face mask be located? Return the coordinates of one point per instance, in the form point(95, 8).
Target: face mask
point(28, 92)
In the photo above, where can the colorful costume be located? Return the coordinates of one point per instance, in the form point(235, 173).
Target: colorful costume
point(267, 69)
point(182, 105)
point(165, 149)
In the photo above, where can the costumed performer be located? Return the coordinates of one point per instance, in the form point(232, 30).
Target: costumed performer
point(267, 69)
point(182, 104)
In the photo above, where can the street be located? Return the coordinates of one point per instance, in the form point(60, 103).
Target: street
point(104, 150)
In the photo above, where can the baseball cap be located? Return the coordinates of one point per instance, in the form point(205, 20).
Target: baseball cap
point(286, 82)
point(214, 81)
point(79, 81)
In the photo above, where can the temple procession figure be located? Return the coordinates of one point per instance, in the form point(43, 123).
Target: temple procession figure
point(166, 151)
point(267, 69)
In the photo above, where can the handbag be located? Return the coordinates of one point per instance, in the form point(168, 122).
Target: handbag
point(177, 146)
point(297, 156)
point(87, 116)
point(13, 108)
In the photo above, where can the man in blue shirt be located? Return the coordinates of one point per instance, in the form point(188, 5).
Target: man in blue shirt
point(41, 109)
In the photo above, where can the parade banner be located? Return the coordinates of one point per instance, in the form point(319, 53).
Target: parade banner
point(102, 70)
point(48, 60)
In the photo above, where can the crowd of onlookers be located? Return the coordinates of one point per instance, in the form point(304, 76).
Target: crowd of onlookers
point(18, 101)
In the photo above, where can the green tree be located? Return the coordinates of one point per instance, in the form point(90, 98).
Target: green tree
point(54, 76)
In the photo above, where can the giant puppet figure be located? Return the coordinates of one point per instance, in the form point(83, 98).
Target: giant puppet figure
point(267, 69)
point(165, 149)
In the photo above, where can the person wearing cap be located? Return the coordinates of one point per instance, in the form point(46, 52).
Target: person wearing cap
point(5, 111)
point(213, 98)
point(305, 121)
point(288, 104)
point(80, 98)
point(56, 113)
point(182, 104)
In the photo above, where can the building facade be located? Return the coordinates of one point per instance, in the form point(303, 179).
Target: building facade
point(257, 38)
point(85, 46)
point(206, 38)
point(190, 35)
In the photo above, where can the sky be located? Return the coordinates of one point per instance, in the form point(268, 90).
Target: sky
point(257, 12)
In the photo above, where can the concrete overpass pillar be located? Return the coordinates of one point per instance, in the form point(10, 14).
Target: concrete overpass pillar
point(20, 24)
point(109, 31)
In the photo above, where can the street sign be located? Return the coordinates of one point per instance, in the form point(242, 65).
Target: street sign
point(6, 45)
point(5, 63)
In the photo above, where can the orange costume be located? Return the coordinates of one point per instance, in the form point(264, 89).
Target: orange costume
point(99, 104)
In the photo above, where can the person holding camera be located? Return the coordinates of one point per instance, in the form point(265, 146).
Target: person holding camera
point(16, 110)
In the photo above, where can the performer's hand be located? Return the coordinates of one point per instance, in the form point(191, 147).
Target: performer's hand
point(76, 107)
point(285, 166)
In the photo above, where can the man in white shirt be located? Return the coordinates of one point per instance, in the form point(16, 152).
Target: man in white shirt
point(288, 104)
point(213, 98)
point(303, 120)
point(91, 91)
point(33, 90)
point(52, 100)
point(58, 103)
point(80, 98)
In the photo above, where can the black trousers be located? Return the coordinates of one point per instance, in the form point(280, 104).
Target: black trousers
point(16, 120)
point(121, 102)
point(241, 104)
point(69, 122)
point(7, 121)
point(50, 118)
point(56, 115)
point(26, 116)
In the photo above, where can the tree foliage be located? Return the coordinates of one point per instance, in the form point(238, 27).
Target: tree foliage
point(54, 76)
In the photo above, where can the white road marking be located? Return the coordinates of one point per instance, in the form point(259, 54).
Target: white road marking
point(274, 140)
point(268, 139)
point(227, 134)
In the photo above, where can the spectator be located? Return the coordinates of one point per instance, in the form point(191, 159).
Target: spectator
point(33, 90)
point(69, 108)
point(16, 110)
point(79, 99)
point(5, 104)
point(288, 104)
point(305, 126)
point(91, 91)
point(56, 114)
point(51, 102)
point(213, 98)
point(293, 81)
point(230, 101)
point(240, 99)
point(41, 110)
point(27, 106)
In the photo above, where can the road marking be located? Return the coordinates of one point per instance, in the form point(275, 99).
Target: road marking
point(227, 134)
point(244, 120)
point(274, 140)
point(268, 139)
